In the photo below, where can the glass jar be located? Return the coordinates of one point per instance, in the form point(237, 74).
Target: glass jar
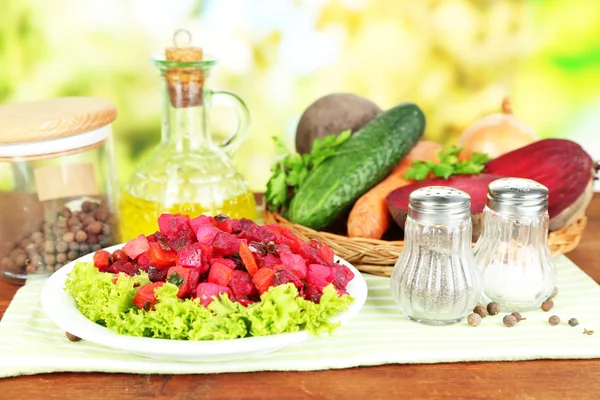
point(188, 173)
point(58, 183)
point(512, 251)
point(436, 280)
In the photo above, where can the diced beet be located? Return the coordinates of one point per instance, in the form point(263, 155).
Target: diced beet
point(341, 276)
point(201, 220)
point(310, 254)
point(271, 260)
point(323, 251)
point(152, 238)
point(294, 263)
point(241, 285)
point(256, 233)
point(181, 280)
point(157, 275)
point(220, 274)
point(119, 255)
point(145, 297)
point(260, 262)
point(225, 244)
point(182, 237)
point(236, 226)
point(190, 256)
point(193, 280)
point(286, 236)
point(225, 261)
point(206, 291)
point(207, 250)
point(136, 247)
point(125, 267)
point(162, 241)
point(143, 262)
point(206, 234)
point(319, 275)
point(313, 293)
point(284, 276)
point(246, 224)
point(237, 260)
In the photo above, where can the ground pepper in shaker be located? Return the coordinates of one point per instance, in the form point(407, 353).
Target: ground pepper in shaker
point(512, 251)
point(436, 280)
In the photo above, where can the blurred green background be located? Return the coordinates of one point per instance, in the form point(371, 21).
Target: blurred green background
point(455, 58)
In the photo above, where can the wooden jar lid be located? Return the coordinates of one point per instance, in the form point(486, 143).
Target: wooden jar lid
point(53, 118)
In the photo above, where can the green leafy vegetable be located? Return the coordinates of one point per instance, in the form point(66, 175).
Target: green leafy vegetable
point(175, 279)
point(280, 309)
point(449, 165)
point(290, 172)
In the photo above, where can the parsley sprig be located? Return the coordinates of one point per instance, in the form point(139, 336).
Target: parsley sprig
point(290, 172)
point(449, 165)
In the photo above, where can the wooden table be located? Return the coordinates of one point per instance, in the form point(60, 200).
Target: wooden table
point(544, 379)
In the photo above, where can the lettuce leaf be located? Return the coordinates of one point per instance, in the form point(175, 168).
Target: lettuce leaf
point(280, 309)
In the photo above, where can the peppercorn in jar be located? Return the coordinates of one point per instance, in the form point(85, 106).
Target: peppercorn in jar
point(58, 184)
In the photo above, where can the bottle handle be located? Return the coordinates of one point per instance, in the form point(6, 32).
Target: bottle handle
point(231, 100)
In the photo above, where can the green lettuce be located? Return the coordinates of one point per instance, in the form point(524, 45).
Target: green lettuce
point(110, 303)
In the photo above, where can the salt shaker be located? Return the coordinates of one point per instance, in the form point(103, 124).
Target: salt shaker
point(512, 251)
point(436, 280)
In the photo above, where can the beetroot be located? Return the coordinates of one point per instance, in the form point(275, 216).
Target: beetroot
point(125, 267)
point(143, 262)
point(257, 233)
point(225, 244)
point(319, 275)
point(242, 286)
point(136, 247)
point(341, 275)
point(475, 186)
point(245, 224)
point(310, 254)
point(182, 237)
point(271, 260)
point(294, 263)
point(190, 256)
point(169, 224)
point(157, 275)
point(284, 276)
point(313, 293)
point(206, 291)
point(323, 251)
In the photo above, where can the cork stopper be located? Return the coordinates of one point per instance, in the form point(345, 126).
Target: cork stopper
point(185, 83)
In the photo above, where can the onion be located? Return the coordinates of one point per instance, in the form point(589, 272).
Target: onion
point(496, 134)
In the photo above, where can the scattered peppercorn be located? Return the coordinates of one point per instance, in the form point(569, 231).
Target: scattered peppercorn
point(509, 320)
point(554, 320)
point(474, 319)
point(518, 316)
point(493, 308)
point(588, 332)
point(481, 311)
point(547, 305)
point(554, 293)
point(573, 322)
point(72, 337)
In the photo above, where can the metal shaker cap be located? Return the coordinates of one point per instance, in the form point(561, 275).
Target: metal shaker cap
point(518, 197)
point(439, 205)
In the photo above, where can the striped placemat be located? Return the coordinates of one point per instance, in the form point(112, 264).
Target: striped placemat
point(30, 343)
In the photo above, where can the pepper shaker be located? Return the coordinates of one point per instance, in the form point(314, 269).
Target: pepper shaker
point(436, 280)
point(512, 251)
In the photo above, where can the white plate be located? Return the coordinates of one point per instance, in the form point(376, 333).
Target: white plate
point(61, 309)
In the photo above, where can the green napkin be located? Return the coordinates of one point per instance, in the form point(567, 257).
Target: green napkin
point(31, 344)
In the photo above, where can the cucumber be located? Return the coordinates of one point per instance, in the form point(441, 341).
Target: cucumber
point(359, 164)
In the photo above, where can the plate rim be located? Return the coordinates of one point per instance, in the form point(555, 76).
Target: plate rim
point(60, 308)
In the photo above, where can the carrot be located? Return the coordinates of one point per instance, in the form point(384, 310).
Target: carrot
point(248, 259)
point(370, 217)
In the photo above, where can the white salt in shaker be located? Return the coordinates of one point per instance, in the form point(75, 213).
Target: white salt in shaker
point(436, 280)
point(512, 251)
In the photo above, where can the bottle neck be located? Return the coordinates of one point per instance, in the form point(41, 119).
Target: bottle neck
point(184, 119)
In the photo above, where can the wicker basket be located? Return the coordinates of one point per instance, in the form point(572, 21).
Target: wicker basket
point(379, 256)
